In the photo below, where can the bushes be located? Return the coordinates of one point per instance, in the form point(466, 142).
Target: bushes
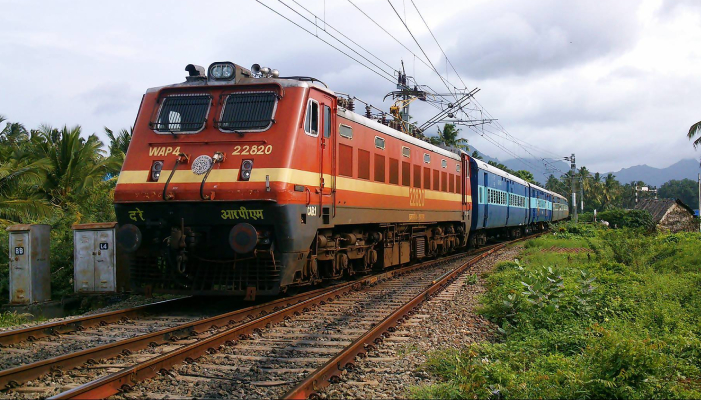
point(619, 218)
point(621, 324)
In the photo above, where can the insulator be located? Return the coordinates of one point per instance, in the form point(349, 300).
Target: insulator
point(351, 105)
point(450, 115)
point(367, 111)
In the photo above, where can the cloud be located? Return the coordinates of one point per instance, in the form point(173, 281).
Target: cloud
point(504, 38)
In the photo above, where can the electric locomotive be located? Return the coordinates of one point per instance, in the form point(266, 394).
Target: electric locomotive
point(241, 182)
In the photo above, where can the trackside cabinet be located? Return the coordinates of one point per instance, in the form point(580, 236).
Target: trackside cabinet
point(94, 258)
point(30, 269)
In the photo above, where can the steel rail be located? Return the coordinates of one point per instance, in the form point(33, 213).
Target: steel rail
point(13, 377)
point(80, 323)
point(269, 313)
point(329, 372)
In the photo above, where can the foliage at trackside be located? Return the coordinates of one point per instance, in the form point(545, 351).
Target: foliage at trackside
point(58, 177)
point(618, 218)
point(601, 314)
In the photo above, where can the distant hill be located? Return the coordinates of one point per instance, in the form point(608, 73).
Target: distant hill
point(687, 168)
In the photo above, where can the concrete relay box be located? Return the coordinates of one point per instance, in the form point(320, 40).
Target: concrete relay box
point(95, 258)
point(30, 269)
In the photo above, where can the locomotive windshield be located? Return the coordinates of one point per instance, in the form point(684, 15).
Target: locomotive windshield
point(249, 111)
point(182, 113)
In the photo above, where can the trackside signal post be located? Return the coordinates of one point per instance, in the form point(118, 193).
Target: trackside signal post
point(573, 170)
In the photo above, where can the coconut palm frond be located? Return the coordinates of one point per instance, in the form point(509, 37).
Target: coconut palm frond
point(693, 131)
point(19, 210)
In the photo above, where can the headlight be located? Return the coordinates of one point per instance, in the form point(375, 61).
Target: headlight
point(246, 168)
point(227, 71)
point(156, 169)
point(222, 71)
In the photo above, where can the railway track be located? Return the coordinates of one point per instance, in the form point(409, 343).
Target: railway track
point(269, 348)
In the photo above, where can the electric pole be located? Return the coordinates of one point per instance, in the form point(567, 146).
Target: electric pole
point(573, 171)
point(581, 193)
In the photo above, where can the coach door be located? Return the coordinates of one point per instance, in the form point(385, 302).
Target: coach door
point(486, 199)
point(464, 186)
point(327, 173)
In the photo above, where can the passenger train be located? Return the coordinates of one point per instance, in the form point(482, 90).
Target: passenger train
point(245, 183)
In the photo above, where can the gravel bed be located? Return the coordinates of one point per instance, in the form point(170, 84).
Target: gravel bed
point(129, 302)
point(237, 372)
point(444, 322)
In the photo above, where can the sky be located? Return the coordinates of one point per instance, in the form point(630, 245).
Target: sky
point(616, 83)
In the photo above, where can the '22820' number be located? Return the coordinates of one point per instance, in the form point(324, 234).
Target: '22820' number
point(246, 150)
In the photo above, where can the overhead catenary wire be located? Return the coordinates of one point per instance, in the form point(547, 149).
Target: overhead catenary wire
point(389, 77)
point(338, 40)
point(439, 45)
point(422, 51)
point(341, 33)
point(519, 142)
point(331, 45)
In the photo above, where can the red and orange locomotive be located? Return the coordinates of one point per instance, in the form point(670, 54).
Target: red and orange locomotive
point(240, 182)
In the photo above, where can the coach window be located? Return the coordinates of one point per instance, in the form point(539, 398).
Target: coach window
point(345, 131)
point(327, 121)
point(311, 122)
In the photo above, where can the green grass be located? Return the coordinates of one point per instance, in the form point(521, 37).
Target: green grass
point(619, 320)
point(9, 319)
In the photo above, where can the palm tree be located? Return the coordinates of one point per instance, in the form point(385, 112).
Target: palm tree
point(693, 131)
point(476, 156)
point(449, 137)
point(18, 178)
point(118, 147)
point(610, 190)
point(76, 163)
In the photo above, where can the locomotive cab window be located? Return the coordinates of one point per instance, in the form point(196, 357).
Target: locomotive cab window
point(248, 112)
point(427, 158)
point(311, 121)
point(327, 121)
point(406, 152)
point(182, 114)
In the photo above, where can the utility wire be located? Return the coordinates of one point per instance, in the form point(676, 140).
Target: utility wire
point(439, 45)
point(390, 35)
point(338, 40)
point(422, 50)
point(331, 45)
point(341, 33)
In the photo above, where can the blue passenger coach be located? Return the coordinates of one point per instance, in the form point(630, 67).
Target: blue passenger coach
point(501, 202)
point(541, 206)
